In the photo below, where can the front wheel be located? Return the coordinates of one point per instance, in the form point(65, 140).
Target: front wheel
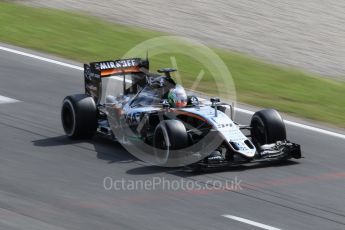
point(267, 127)
point(169, 135)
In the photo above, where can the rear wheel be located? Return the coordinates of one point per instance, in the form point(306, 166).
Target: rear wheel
point(267, 127)
point(79, 116)
point(169, 135)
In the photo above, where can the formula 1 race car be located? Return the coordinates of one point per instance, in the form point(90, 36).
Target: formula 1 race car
point(150, 113)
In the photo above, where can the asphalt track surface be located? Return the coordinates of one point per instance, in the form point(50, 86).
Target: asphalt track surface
point(50, 182)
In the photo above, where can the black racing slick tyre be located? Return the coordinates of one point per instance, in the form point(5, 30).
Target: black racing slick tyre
point(267, 127)
point(79, 116)
point(169, 135)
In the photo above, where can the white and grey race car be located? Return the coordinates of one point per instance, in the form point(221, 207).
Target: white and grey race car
point(125, 102)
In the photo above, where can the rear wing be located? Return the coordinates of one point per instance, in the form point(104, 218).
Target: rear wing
point(95, 71)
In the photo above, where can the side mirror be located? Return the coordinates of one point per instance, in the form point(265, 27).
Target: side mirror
point(215, 100)
point(192, 101)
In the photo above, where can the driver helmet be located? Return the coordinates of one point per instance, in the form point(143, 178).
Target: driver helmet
point(177, 97)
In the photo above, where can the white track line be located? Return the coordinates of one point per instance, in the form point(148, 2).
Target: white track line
point(5, 100)
point(306, 127)
point(40, 58)
point(250, 222)
point(299, 125)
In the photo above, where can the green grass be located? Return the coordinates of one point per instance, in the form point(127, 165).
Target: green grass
point(84, 38)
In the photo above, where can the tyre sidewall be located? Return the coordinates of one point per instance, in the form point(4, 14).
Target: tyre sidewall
point(273, 124)
point(175, 136)
point(84, 114)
